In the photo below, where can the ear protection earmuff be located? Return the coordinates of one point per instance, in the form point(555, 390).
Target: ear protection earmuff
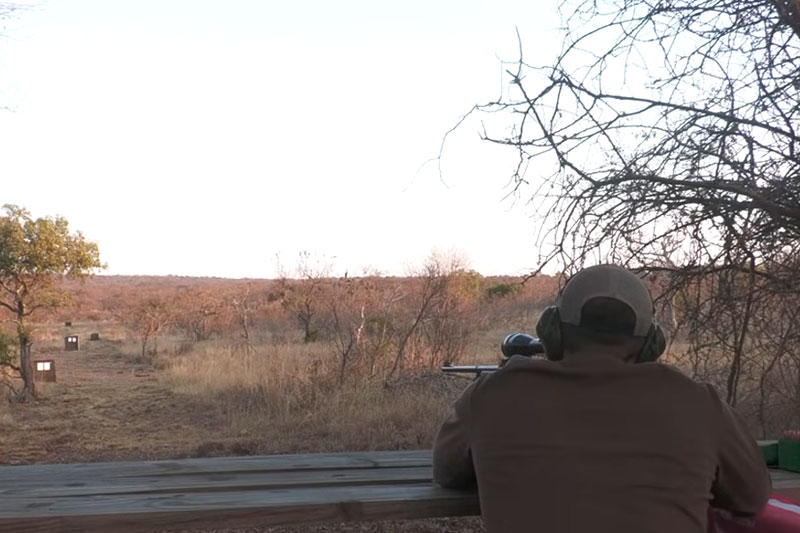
point(548, 329)
point(655, 343)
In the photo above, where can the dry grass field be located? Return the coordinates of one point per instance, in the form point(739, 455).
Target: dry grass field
point(104, 406)
point(209, 399)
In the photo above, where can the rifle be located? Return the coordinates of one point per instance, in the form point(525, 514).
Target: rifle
point(513, 344)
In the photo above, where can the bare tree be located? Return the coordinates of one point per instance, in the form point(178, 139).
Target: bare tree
point(454, 318)
point(664, 121)
point(345, 303)
point(196, 313)
point(244, 305)
point(380, 328)
point(147, 317)
point(428, 299)
point(666, 136)
point(300, 290)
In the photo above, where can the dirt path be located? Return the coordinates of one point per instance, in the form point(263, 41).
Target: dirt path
point(104, 407)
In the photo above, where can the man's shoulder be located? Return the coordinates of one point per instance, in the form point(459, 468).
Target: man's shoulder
point(670, 379)
point(662, 372)
point(520, 364)
point(522, 361)
point(517, 364)
point(671, 372)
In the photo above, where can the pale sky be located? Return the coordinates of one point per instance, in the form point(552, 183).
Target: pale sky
point(203, 138)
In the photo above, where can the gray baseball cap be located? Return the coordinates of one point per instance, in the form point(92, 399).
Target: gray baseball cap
point(606, 281)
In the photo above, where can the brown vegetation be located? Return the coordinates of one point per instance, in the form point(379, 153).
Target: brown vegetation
point(201, 367)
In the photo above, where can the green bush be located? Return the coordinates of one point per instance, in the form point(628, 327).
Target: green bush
point(502, 290)
point(8, 349)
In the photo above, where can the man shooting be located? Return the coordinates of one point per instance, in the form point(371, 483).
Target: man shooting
point(599, 437)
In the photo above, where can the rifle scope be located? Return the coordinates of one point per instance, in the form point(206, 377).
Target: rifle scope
point(520, 344)
point(513, 344)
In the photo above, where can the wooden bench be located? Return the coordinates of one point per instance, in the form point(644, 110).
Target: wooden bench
point(224, 492)
point(233, 492)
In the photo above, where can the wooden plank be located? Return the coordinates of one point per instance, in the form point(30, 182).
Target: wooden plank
point(262, 463)
point(786, 484)
point(779, 484)
point(125, 513)
point(202, 482)
point(134, 496)
point(784, 475)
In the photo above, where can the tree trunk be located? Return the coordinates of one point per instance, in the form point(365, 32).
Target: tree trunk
point(736, 366)
point(399, 359)
point(28, 390)
point(308, 331)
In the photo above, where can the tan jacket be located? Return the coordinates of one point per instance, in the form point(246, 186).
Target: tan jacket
point(598, 445)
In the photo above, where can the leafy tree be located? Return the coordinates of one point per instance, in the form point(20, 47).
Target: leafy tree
point(501, 290)
point(8, 358)
point(34, 255)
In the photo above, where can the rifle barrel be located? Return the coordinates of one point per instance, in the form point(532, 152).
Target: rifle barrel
point(469, 369)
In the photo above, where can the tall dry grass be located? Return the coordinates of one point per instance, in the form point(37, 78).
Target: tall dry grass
point(288, 397)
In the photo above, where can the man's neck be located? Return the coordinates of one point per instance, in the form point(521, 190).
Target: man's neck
point(599, 354)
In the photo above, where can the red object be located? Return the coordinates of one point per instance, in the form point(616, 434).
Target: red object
point(780, 516)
